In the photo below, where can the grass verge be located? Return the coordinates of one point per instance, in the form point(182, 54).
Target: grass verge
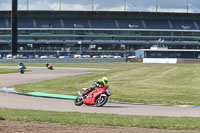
point(170, 84)
point(144, 83)
point(5, 71)
point(177, 123)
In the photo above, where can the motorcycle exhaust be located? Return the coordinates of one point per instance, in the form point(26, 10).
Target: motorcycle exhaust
point(79, 93)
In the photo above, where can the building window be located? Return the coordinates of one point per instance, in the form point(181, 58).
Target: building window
point(153, 54)
point(178, 54)
point(171, 54)
point(159, 54)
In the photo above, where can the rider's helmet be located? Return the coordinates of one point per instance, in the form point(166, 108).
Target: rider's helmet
point(20, 63)
point(105, 80)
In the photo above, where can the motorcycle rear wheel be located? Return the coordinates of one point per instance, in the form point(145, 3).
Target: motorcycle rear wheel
point(78, 101)
point(21, 71)
point(101, 100)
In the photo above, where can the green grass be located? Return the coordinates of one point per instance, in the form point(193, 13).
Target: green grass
point(177, 84)
point(129, 82)
point(75, 118)
point(5, 71)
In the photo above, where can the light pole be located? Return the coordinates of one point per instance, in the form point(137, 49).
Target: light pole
point(156, 5)
point(92, 5)
point(27, 5)
point(60, 5)
point(125, 4)
point(187, 6)
point(14, 27)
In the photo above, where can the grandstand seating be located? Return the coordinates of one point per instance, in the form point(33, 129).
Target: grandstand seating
point(157, 24)
point(116, 30)
point(130, 24)
point(197, 24)
point(47, 23)
point(2, 23)
point(25, 23)
point(183, 24)
point(75, 23)
point(103, 23)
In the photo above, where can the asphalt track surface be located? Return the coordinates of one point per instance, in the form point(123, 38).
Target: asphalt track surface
point(9, 100)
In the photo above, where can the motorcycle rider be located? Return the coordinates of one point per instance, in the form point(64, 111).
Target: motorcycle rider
point(100, 83)
point(21, 65)
point(47, 64)
point(50, 67)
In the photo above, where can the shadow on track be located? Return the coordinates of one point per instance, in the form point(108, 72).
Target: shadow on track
point(114, 107)
point(106, 106)
point(1, 118)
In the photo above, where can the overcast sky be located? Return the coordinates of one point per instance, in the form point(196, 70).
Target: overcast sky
point(106, 5)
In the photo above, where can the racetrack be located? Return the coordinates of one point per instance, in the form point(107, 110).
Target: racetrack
point(39, 74)
point(9, 100)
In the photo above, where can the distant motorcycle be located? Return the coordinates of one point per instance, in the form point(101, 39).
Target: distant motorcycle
point(97, 97)
point(50, 67)
point(21, 69)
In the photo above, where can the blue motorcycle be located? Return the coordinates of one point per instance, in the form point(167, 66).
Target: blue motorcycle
point(21, 69)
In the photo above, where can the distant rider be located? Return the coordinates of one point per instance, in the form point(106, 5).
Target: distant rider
point(50, 67)
point(21, 65)
point(47, 64)
point(100, 83)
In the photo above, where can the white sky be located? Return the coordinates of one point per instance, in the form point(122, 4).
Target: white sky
point(105, 5)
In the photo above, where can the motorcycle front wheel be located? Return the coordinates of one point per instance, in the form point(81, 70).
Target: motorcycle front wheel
point(78, 101)
point(101, 100)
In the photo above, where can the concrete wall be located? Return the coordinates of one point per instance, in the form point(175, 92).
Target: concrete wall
point(160, 60)
point(135, 60)
point(188, 60)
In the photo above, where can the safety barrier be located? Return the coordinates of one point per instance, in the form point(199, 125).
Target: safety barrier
point(67, 60)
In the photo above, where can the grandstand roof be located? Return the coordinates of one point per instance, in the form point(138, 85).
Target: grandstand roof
point(103, 14)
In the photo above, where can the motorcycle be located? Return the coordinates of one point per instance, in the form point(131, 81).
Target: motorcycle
point(97, 97)
point(21, 69)
point(50, 67)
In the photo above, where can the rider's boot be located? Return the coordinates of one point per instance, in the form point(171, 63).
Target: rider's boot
point(84, 96)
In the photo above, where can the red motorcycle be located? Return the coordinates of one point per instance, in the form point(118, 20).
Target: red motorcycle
point(50, 67)
point(97, 97)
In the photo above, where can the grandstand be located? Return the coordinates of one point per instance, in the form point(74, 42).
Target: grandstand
point(117, 33)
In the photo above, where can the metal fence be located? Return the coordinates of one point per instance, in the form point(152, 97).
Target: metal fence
point(67, 60)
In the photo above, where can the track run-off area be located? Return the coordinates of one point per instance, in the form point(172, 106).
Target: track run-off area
point(16, 101)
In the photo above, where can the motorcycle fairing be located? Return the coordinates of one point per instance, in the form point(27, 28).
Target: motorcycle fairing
point(92, 96)
point(84, 89)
